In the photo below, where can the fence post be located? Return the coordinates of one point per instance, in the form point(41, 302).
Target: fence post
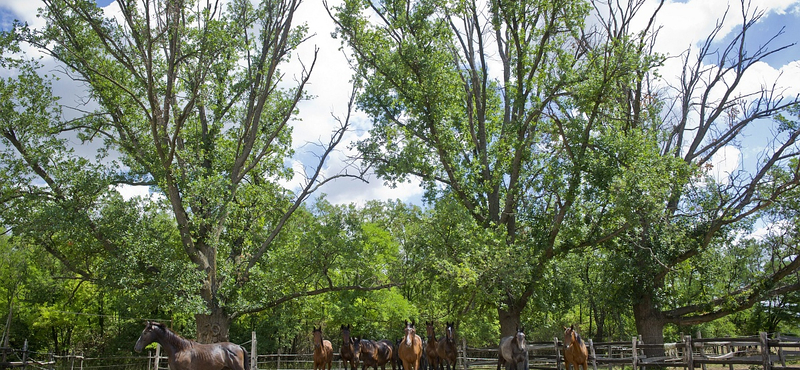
point(25, 355)
point(558, 354)
point(635, 353)
point(688, 351)
point(253, 349)
point(594, 356)
point(278, 366)
point(765, 350)
point(463, 353)
point(155, 361)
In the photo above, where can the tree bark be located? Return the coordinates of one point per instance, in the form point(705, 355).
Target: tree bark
point(509, 318)
point(649, 324)
point(213, 327)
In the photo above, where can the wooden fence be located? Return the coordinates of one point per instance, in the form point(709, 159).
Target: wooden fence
point(758, 351)
point(779, 353)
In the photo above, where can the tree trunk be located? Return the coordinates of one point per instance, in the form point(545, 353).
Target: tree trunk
point(650, 325)
point(213, 328)
point(509, 319)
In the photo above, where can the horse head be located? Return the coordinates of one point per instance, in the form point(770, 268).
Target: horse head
point(153, 331)
point(449, 331)
point(430, 330)
point(317, 337)
point(520, 338)
point(346, 334)
point(570, 335)
point(410, 332)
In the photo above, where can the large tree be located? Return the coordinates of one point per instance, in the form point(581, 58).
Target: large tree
point(694, 217)
point(186, 97)
point(512, 108)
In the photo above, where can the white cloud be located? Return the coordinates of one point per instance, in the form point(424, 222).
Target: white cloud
point(131, 191)
point(725, 162)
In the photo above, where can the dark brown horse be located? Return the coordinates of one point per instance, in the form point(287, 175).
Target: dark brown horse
point(185, 354)
point(430, 347)
point(323, 351)
point(513, 352)
point(574, 349)
point(373, 354)
point(446, 348)
point(347, 352)
point(410, 348)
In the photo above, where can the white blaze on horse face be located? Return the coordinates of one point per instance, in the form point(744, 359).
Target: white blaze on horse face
point(409, 332)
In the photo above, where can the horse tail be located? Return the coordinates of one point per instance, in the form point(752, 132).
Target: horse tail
point(246, 358)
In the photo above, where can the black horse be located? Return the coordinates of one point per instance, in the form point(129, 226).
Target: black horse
point(185, 354)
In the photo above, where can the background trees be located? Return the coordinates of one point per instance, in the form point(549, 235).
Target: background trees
point(566, 182)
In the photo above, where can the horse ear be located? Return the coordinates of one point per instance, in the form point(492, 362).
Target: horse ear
point(572, 326)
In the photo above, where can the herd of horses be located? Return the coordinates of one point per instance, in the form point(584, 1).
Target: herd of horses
point(408, 353)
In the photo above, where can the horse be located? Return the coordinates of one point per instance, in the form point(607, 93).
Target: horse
point(574, 349)
point(446, 348)
point(347, 352)
point(323, 351)
point(430, 347)
point(513, 352)
point(396, 356)
point(410, 349)
point(373, 354)
point(185, 354)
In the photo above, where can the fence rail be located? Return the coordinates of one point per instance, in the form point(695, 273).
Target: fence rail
point(779, 353)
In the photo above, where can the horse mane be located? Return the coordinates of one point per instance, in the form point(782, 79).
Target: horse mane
point(173, 339)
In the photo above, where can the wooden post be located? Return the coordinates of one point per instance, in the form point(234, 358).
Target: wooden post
point(158, 355)
point(253, 354)
point(25, 355)
point(594, 356)
point(278, 366)
point(464, 353)
point(765, 350)
point(635, 353)
point(558, 354)
point(701, 347)
point(688, 352)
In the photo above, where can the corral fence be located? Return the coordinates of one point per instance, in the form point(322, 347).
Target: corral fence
point(777, 353)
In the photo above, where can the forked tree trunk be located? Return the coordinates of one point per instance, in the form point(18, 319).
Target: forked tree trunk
point(214, 327)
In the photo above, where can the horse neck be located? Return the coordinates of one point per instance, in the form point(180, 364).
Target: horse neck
point(172, 342)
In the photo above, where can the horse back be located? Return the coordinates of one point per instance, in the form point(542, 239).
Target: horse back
point(214, 356)
point(384, 351)
point(328, 349)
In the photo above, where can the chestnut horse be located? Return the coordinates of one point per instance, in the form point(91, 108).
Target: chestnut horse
point(185, 354)
point(373, 354)
point(430, 347)
point(347, 352)
point(323, 351)
point(574, 349)
point(513, 352)
point(446, 348)
point(410, 348)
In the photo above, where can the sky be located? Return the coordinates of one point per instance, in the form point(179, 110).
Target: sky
point(684, 24)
